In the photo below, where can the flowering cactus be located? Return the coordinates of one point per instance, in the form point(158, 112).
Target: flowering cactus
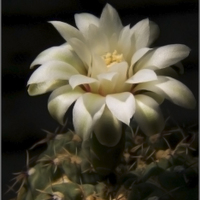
point(112, 75)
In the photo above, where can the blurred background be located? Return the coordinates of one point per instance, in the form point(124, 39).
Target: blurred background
point(25, 33)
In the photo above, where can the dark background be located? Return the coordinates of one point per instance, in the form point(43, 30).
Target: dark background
point(25, 33)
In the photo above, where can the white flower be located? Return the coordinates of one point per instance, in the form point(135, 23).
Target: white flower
point(111, 74)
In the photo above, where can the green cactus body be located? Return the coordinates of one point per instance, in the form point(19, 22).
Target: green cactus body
point(134, 169)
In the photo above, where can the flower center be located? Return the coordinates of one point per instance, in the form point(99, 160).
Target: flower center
point(111, 58)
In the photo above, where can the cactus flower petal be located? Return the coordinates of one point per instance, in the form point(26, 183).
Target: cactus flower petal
point(144, 75)
point(52, 70)
point(164, 56)
point(110, 21)
point(170, 89)
point(148, 115)
point(84, 20)
point(121, 105)
point(43, 87)
point(108, 129)
point(79, 79)
point(87, 110)
point(67, 31)
point(61, 99)
point(61, 53)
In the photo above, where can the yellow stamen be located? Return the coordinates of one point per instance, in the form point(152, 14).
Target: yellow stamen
point(112, 58)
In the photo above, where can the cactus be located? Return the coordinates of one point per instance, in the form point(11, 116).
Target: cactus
point(120, 147)
point(143, 168)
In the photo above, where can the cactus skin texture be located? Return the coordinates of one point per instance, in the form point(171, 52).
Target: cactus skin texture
point(161, 167)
